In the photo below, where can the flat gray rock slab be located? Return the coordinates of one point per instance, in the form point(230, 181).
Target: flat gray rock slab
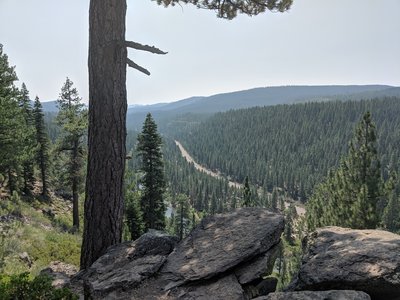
point(222, 242)
point(340, 258)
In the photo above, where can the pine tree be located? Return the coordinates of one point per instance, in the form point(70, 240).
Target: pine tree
point(364, 177)
point(133, 214)
point(152, 165)
point(290, 217)
point(182, 216)
point(247, 201)
point(42, 154)
point(29, 140)
point(350, 195)
point(391, 213)
point(274, 200)
point(11, 124)
point(72, 118)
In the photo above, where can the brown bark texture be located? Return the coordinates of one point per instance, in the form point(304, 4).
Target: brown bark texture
point(75, 184)
point(107, 129)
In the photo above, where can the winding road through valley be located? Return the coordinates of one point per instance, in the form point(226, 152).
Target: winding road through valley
point(299, 208)
point(201, 168)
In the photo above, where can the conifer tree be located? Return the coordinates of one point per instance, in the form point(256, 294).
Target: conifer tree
point(42, 154)
point(274, 199)
point(350, 195)
point(391, 213)
point(152, 165)
point(247, 201)
point(290, 217)
point(29, 140)
point(182, 216)
point(11, 124)
point(133, 213)
point(364, 175)
point(72, 118)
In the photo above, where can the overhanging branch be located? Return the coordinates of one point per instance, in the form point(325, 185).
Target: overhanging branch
point(147, 48)
point(137, 67)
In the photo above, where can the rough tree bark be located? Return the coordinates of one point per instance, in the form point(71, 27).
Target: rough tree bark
point(75, 184)
point(107, 112)
point(107, 129)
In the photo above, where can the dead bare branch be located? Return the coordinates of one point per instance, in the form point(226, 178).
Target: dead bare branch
point(137, 67)
point(147, 48)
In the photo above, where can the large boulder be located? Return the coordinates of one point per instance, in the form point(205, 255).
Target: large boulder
point(340, 258)
point(126, 265)
point(224, 257)
point(222, 242)
point(312, 295)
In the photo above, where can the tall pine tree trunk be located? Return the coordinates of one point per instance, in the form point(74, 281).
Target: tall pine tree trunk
point(75, 184)
point(107, 129)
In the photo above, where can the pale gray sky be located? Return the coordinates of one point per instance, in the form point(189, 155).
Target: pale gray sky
point(316, 42)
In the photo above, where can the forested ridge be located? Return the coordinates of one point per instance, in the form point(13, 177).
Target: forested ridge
point(291, 146)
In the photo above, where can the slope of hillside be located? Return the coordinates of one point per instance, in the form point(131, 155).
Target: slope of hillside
point(290, 146)
point(35, 233)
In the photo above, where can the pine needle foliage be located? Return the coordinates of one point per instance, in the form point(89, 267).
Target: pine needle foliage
point(153, 181)
point(350, 195)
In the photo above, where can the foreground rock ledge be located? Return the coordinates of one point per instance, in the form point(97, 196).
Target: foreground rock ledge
point(205, 265)
point(340, 258)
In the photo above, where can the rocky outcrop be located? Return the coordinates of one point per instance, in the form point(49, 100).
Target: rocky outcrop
point(222, 242)
point(126, 265)
point(323, 295)
point(227, 257)
point(221, 258)
point(339, 258)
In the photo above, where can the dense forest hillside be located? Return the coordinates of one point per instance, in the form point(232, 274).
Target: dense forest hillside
point(167, 113)
point(290, 146)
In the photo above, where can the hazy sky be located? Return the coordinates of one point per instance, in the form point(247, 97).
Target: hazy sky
point(316, 42)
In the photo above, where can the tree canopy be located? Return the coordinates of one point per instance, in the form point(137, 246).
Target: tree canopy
point(230, 9)
point(350, 195)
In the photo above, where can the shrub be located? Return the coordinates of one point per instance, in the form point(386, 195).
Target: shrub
point(22, 288)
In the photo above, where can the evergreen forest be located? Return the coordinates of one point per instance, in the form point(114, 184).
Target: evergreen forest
point(291, 146)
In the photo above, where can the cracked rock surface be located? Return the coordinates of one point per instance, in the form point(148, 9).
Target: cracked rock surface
point(221, 242)
point(341, 258)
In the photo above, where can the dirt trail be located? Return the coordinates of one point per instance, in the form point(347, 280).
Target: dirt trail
point(299, 207)
point(200, 168)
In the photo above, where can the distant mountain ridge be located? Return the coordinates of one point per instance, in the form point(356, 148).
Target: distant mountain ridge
point(262, 96)
point(167, 114)
point(266, 96)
